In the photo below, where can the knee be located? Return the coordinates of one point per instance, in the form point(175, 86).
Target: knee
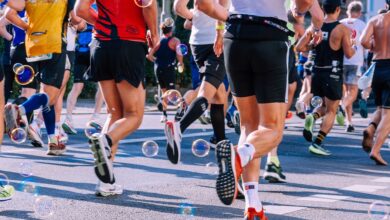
point(115, 113)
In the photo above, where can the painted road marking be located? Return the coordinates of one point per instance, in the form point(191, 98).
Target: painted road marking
point(364, 188)
point(324, 198)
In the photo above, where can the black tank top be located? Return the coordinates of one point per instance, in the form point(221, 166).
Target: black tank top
point(165, 56)
point(325, 55)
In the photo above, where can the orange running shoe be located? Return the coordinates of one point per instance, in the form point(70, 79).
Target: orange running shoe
point(251, 214)
point(289, 115)
point(229, 172)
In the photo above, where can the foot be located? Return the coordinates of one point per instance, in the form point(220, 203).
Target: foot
point(102, 153)
point(237, 123)
point(274, 174)
point(180, 111)
point(63, 137)
point(173, 135)
point(252, 214)
point(68, 127)
point(56, 147)
point(367, 141)
point(308, 129)
point(35, 136)
point(107, 189)
point(203, 120)
point(363, 108)
point(229, 172)
point(378, 159)
point(300, 107)
point(319, 150)
point(6, 192)
point(340, 116)
point(13, 118)
point(350, 128)
point(163, 119)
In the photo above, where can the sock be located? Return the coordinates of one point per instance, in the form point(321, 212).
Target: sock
point(49, 117)
point(274, 160)
point(196, 109)
point(246, 153)
point(320, 137)
point(218, 121)
point(165, 113)
point(251, 191)
point(57, 129)
point(316, 115)
point(35, 102)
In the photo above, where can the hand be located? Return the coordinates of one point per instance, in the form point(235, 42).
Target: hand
point(152, 39)
point(180, 67)
point(317, 36)
point(151, 58)
point(218, 44)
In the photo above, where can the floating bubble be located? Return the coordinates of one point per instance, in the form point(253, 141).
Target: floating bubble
point(143, 3)
point(169, 22)
point(17, 67)
point(44, 206)
point(24, 75)
point(200, 148)
point(150, 148)
point(29, 186)
point(316, 101)
point(212, 168)
point(187, 209)
point(3, 180)
point(18, 135)
point(91, 128)
point(182, 49)
point(378, 211)
point(25, 169)
point(173, 97)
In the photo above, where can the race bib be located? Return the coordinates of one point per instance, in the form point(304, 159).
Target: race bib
point(39, 58)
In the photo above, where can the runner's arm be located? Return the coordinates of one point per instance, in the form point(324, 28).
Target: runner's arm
point(366, 39)
point(13, 17)
point(180, 7)
point(317, 15)
point(300, 7)
point(348, 48)
point(150, 17)
point(179, 56)
point(212, 9)
point(187, 24)
point(303, 43)
point(83, 10)
point(17, 5)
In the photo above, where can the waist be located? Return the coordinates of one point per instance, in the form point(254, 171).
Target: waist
point(382, 63)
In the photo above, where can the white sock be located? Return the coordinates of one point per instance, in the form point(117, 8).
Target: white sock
point(246, 153)
point(251, 192)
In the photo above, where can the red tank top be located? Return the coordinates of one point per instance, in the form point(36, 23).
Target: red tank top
point(119, 20)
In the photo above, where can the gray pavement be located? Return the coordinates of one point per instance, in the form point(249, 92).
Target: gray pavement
point(341, 186)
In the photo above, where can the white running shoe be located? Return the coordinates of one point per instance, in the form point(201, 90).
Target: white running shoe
point(173, 135)
point(35, 135)
point(68, 127)
point(106, 189)
point(163, 119)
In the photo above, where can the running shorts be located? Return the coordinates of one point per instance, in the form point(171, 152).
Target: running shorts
point(166, 77)
point(325, 83)
point(350, 74)
point(18, 55)
point(81, 67)
point(70, 57)
point(381, 83)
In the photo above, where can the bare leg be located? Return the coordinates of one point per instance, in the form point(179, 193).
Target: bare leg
point(349, 97)
point(1, 111)
point(60, 98)
point(98, 101)
point(72, 99)
point(381, 136)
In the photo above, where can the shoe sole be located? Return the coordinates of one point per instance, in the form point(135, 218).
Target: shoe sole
point(10, 118)
point(36, 140)
point(227, 178)
point(35, 143)
point(107, 194)
point(103, 165)
point(273, 178)
point(171, 152)
point(68, 129)
point(315, 151)
point(301, 115)
point(308, 135)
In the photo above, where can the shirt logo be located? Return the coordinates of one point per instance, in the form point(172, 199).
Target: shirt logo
point(325, 35)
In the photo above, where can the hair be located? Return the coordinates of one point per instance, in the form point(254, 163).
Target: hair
point(166, 30)
point(382, 11)
point(330, 8)
point(355, 7)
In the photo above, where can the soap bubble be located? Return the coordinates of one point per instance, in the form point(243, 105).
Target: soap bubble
point(200, 148)
point(150, 148)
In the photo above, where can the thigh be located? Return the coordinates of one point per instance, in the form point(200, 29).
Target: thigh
point(111, 97)
point(272, 115)
point(132, 98)
point(334, 86)
point(101, 67)
point(51, 72)
point(316, 85)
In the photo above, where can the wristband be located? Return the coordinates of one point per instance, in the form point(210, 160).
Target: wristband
point(300, 14)
point(220, 27)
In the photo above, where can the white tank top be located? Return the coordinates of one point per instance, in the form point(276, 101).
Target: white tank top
point(261, 8)
point(203, 28)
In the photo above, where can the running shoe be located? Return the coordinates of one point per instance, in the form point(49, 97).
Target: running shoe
point(229, 121)
point(203, 120)
point(163, 119)
point(308, 129)
point(68, 127)
point(35, 136)
point(63, 137)
point(173, 135)
point(318, 150)
point(251, 214)
point(101, 151)
point(213, 142)
point(229, 172)
point(349, 128)
point(237, 123)
point(107, 189)
point(289, 115)
point(181, 111)
point(56, 148)
point(274, 174)
point(6, 192)
point(300, 108)
point(13, 118)
point(363, 108)
point(340, 116)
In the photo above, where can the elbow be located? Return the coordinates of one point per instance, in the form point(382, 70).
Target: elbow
point(176, 6)
point(201, 5)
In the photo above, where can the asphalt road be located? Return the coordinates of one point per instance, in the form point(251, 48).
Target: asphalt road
point(341, 186)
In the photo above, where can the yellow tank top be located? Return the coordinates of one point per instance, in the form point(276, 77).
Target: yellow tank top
point(45, 21)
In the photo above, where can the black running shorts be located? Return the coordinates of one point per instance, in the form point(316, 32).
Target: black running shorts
point(81, 67)
point(325, 83)
point(18, 55)
point(70, 57)
point(1, 72)
point(211, 67)
point(292, 68)
point(166, 77)
point(381, 83)
point(118, 60)
point(256, 61)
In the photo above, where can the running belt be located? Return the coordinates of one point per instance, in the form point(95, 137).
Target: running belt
point(267, 21)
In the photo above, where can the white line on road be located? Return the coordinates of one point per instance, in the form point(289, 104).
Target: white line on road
point(364, 188)
point(323, 198)
point(382, 180)
point(281, 209)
